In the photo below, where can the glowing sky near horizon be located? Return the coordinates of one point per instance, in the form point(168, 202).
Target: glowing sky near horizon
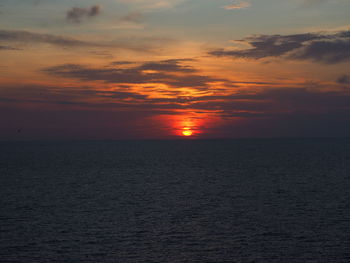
point(120, 69)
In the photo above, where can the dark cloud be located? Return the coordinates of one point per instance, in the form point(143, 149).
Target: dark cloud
point(134, 17)
point(109, 75)
point(117, 63)
point(8, 48)
point(279, 100)
point(311, 3)
point(77, 14)
point(260, 102)
point(270, 112)
point(263, 103)
point(79, 96)
point(148, 72)
point(344, 79)
point(171, 65)
point(296, 124)
point(65, 123)
point(325, 48)
point(28, 37)
point(325, 51)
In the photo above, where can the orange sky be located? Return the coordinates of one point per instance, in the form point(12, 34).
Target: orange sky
point(154, 69)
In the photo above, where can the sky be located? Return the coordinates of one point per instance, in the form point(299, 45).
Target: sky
point(172, 69)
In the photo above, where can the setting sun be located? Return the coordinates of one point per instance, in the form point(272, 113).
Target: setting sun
point(187, 132)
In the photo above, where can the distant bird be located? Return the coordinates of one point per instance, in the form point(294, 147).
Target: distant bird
point(19, 130)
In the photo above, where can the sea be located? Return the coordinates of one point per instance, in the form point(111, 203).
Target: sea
point(242, 200)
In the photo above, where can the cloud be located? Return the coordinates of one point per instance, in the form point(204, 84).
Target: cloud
point(170, 65)
point(343, 79)
point(326, 48)
point(329, 52)
point(77, 14)
point(262, 103)
point(8, 48)
point(271, 112)
point(153, 4)
point(133, 44)
point(255, 102)
point(132, 20)
point(143, 90)
point(25, 37)
point(310, 3)
point(164, 72)
point(237, 5)
point(135, 17)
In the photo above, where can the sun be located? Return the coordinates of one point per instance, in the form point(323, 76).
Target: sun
point(187, 132)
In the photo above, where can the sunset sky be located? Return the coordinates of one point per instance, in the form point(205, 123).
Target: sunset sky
point(167, 69)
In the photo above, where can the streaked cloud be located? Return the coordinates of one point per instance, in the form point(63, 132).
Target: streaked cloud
point(162, 72)
point(343, 79)
point(258, 102)
point(310, 3)
point(279, 111)
point(328, 48)
point(136, 17)
point(133, 44)
point(8, 48)
point(132, 20)
point(237, 5)
point(152, 4)
point(27, 37)
point(78, 14)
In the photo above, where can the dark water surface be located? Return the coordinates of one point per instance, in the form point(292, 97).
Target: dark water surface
point(175, 201)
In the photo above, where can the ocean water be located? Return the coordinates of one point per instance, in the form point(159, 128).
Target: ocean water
point(252, 200)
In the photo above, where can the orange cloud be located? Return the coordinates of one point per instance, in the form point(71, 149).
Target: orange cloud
point(237, 5)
